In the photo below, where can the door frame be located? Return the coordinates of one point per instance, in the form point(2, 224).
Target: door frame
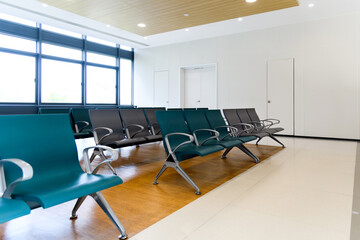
point(182, 80)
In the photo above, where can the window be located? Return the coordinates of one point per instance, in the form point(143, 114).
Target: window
point(64, 52)
point(123, 47)
point(61, 31)
point(101, 59)
point(17, 43)
point(17, 20)
point(17, 78)
point(61, 82)
point(125, 82)
point(100, 41)
point(101, 85)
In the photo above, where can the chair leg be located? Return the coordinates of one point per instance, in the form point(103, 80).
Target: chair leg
point(76, 207)
point(248, 152)
point(99, 198)
point(162, 170)
point(258, 141)
point(187, 178)
point(170, 162)
point(271, 136)
point(226, 152)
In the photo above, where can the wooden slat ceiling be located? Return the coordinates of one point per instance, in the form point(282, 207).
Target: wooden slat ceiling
point(166, 15)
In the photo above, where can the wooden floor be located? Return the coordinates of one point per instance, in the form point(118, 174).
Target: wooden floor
point(137, 202)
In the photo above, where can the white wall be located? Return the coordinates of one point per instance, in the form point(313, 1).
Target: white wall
point(327, 76)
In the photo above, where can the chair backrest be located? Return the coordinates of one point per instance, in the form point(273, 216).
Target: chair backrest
point(58, 111)
point(253, 115)
point(134, 116)
point(189, 109)
point(197, 120)
point(243, 115)
point(151, 117)
point(216, 120)
point(45, 141)
point(202, 108)
point(231, 116)
point(54, 111)
point(82, 114)
point(107, 118)
point(172, 122)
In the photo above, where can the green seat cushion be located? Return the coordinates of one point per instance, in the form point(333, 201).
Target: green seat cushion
point(10, 209)
point(58, 189)
point(191, 150)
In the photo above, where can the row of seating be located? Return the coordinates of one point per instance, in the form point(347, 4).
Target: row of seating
point(197, 133)
point(39, 167)
point(254, 126)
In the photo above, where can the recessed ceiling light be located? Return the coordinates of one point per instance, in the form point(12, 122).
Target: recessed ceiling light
point(45, 5)
point(240, 19)
point(186, 29)
point(186, 14)
point(250, 1)
point(311, 5)
point(142, 25)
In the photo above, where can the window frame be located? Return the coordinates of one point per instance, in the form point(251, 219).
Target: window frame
point(45, 36)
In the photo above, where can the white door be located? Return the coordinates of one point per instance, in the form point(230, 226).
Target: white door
point(280, 93)
point(161, 88)
point(200, 87)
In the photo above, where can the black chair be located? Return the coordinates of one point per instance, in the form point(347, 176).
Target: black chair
point(109, 130)
point(152, 121)
point(136, 125)
point(244, 127)
point(265, 123)
point(174, 109)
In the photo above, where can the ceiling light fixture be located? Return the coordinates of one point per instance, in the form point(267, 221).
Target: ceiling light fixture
point(250, 1)
point(311, 5)
point(142, 25)
point(240, 19)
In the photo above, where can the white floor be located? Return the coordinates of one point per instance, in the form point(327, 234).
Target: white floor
point(303, 192)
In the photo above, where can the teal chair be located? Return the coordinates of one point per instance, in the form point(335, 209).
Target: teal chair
point(179, 144)
point(81, 119)
point(46, 142)
point(12, 208)
point(78, 126)
point(204, 134)
point(217, 122)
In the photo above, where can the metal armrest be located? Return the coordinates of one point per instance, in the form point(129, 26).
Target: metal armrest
point(96, 137)
point(77, 129)
point(153, 129)
point(114, 156)
point(233, 131)
point(216, 136)
point(248, 128)
point(272, 120)
point(135, 133)
point(27, 173)
point(191, 139)
point(259, 125)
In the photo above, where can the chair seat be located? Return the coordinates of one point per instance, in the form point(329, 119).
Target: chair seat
point(246, 139)
point(11, 208)
point(154, 138)
point(191, 150)
point(225, 143)
point(58, 189)
point(84, 134)
point(124, 142)
point(274, 130)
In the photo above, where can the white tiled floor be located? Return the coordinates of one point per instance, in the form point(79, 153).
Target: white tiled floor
point(302, 193)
